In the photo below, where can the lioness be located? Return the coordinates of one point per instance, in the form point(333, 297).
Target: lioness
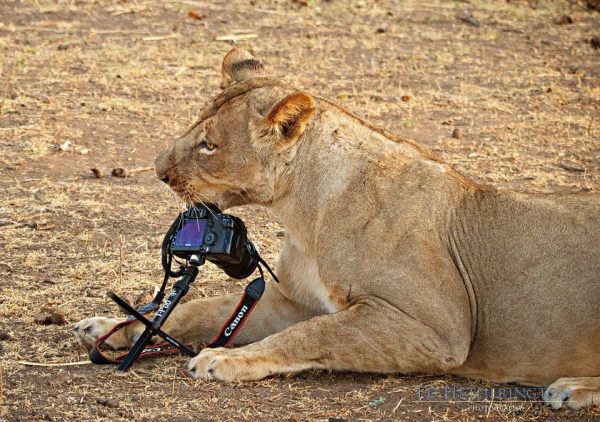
point(393, 262)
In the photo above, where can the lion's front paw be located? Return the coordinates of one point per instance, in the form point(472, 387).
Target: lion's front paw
point(88, 330)
point(208, 364)
point(226, 365)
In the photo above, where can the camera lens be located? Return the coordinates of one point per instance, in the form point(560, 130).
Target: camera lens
point(245, 267)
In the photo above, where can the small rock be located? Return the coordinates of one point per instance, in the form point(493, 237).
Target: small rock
point(456, 133)
point(195, 15)
point(377, 402)
point(280, 234)
point(99, 174)
point(5, 269)
point(405, 98)
point(4, 336)
point(65, 146)
point(112, 403)
point(469, 18)
point(63, 47)
point(49, 317)
point(381, 30)
point(593, 5)
point(564, 20)
point(571, 166)
point(119, 172)
point(595, 43)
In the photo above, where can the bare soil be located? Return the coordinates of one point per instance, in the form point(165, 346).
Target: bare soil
point(107, 84)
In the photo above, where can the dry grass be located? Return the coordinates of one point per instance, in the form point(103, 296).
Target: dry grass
point(120, 79)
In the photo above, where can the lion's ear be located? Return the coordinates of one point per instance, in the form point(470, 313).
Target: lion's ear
point(238, 65)
point(288, 118)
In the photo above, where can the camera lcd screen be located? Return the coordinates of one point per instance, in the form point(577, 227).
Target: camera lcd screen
point(191, 234)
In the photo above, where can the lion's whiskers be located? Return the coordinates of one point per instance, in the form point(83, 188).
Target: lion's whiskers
point(197, 197)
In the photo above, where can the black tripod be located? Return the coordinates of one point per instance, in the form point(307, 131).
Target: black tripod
point(250, 298)
point(179, 290)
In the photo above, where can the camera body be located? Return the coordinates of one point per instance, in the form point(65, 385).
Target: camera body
point(220, 238)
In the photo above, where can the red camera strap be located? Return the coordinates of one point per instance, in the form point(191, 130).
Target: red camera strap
point(230, 328)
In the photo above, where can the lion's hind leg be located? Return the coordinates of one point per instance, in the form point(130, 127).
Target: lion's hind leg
point(573, 392)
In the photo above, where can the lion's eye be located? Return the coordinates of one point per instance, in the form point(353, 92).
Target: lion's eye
point(207, 145)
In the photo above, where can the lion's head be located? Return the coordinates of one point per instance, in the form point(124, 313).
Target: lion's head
point(242, 140)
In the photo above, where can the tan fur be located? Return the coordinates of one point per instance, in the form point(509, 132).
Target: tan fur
point(393, 263)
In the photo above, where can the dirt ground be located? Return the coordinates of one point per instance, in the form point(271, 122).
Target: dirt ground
point(108, 84)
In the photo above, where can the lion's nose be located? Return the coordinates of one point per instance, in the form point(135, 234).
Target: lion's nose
point(165, 179)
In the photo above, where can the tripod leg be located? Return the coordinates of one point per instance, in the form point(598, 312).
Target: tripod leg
point(136, 350)
point(133, 312)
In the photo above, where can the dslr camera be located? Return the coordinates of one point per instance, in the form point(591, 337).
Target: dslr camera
point(201, 233)
point(220, 238)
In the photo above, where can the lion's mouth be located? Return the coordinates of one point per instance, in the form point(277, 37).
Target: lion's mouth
point(190, 195)
point(202, 189)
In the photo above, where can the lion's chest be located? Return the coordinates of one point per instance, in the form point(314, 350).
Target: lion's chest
point(303, 282)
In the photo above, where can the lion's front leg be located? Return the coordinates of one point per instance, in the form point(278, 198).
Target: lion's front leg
point(367, 337)
point(200, 320)
point(88, 330)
